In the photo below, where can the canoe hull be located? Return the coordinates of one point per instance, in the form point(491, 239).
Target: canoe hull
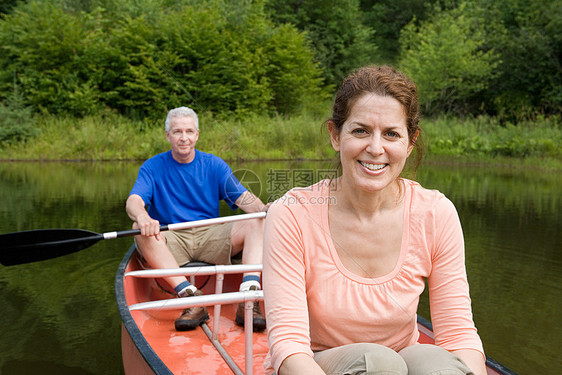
point(167, 351)
point(150, 344)
point(133, 361)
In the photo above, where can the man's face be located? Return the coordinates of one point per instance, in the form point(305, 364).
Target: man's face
point(183, 135)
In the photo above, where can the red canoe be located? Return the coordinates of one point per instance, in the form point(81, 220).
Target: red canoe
point(151, 345)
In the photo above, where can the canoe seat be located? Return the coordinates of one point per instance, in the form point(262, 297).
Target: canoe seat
point(236, 259)
point(197, 264)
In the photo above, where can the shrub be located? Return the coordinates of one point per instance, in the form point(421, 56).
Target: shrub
point(144, 59)
point(16, 121)
point(486, 136)
point(447, 58)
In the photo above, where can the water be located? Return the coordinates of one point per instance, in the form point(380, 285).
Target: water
point(59, 316)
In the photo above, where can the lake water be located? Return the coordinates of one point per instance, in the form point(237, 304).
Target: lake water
point(59, 316)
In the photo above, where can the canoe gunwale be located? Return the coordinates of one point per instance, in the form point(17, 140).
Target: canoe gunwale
point(144, 348)
point(490, 362)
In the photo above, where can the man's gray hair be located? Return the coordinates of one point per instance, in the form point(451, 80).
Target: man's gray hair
point(181, 112)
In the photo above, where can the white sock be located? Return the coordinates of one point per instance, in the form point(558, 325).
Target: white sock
point(247, 285)
point(184, 292)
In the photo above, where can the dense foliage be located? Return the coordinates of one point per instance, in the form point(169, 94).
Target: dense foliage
point(448, 59)
point(214, 56)
point(335, 28)
point(16, 120)
point(499, 58)
point(387, 18)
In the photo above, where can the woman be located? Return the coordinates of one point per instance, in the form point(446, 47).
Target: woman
point(346, 260)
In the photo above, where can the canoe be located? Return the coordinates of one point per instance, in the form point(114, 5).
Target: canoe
point(151, 345)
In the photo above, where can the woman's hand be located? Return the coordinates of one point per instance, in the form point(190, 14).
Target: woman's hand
point(300, 364)
point(473, 359)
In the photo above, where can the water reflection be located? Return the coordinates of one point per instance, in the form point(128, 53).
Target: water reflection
point(512, 223)
point(59, 316)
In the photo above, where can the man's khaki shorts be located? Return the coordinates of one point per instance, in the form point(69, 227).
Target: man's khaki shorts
point(210, 244)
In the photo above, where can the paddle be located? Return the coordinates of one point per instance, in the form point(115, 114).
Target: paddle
point(36, 245)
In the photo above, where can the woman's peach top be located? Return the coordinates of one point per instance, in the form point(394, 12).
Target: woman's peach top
point(314, 303)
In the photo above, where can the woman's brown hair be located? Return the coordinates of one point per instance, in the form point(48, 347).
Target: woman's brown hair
point(384, 81)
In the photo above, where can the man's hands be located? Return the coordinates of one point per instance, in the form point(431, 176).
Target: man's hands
point(136, 211)
point(249, 203)
point(148, 226)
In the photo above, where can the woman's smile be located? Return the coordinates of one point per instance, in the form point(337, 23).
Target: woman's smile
point(373, 143)
point(372, 166)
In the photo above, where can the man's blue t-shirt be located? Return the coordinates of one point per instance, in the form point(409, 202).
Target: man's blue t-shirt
point(176, 192)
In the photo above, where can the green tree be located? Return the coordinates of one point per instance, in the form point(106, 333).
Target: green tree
point(16, 120)
point(142, 58)
point(524, 42)
point(387, 18)
point(46, 50)
point(6, 6)
point(335, 29)
point(292, 72)
point(446, 55)
point(527, 35)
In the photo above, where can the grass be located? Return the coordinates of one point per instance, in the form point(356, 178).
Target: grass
point(117, 138)
point(112, 137)
point(485, 136)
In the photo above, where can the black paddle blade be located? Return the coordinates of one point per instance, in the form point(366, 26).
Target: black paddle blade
point(36, 245)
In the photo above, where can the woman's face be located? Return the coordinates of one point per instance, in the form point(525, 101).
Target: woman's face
point(373, 143)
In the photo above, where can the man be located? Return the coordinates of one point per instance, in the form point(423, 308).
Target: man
point(185, 184)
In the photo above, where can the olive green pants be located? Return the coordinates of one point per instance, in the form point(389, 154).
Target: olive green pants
point(374, 359)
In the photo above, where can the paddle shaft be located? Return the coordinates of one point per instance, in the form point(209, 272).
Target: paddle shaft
point(187, 224)
point(36, 245)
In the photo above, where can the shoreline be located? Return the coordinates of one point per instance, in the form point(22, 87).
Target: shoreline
point(552, 164)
